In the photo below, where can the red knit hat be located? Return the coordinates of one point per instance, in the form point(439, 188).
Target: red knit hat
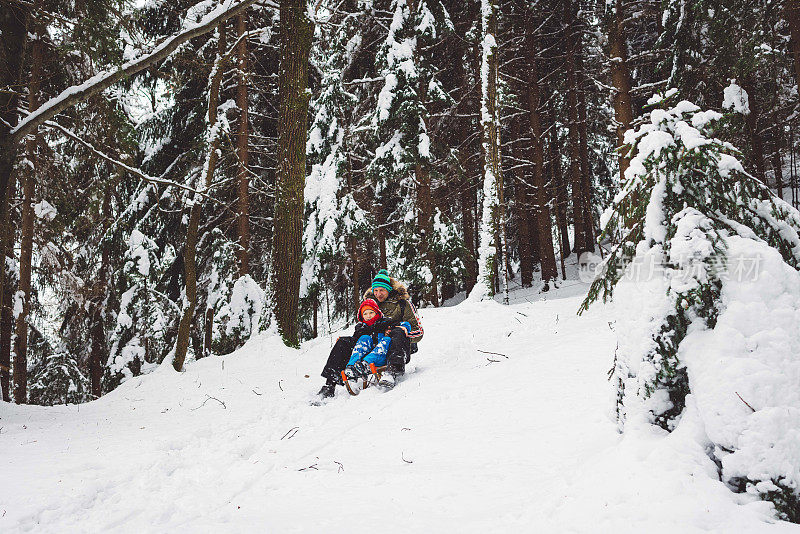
point(371, 304)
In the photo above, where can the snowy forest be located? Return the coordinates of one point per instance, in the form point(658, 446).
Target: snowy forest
point(184, 180)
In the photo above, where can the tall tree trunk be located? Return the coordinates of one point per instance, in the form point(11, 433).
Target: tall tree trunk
point(20, 369)
point(576, 180)
point(99, 342)
point(493, 217)
point(756, 142)
point(544, 236)
point(792, 15)
point(14, 29)
point(777, 161)
point(382, 244)
point(621, 80)
point(467, 201)
point(356, 264)
point(558, 187)
point(6, 304)
point(467, 163)
point(296, 34)
point(242, 152)
point(213, 136)
point(586, 169)
point(523, 210)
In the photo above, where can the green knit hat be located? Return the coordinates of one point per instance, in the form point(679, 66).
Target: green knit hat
point(382, 280)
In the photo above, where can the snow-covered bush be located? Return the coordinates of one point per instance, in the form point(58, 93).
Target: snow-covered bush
point(239, 317)
point(141, 335)
point(702, 248)
point(58, 380)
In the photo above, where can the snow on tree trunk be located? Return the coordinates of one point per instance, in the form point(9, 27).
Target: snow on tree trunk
point(621, 79)
point(242, 149)
point(214, 133)
point(492, 218)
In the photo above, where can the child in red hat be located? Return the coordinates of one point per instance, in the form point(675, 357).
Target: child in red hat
point(369, 348)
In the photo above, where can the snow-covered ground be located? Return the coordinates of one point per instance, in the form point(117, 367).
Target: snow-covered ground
point(471, 441)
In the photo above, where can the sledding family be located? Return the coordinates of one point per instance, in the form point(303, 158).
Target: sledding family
point(387, 326)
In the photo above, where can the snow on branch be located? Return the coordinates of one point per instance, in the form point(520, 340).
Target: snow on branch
point(78, 93)
point(133, 170)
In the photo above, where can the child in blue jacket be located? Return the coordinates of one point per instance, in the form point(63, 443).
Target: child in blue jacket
point(370, 348)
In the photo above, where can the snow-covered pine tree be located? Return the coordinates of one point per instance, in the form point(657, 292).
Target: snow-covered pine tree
point(332, 215)
point(403, 167)
point(686, 201)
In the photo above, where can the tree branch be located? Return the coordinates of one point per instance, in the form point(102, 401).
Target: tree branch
point(104, 80)
point(123, 166)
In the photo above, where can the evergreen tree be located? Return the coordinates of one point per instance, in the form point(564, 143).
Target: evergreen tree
point(686, 192)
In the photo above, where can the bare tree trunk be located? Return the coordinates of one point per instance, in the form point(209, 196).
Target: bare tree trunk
point(20, 369)
point(356, 264)
point(296, 34)
point(586, 170)
point(576, 180)
point(6, 304)
point(208, 331)
point(99, 342)
point(523, 210)
point(382, 244)
point(467, 198)
point(190, 254)
point(558, 188)
point(14, 29)
point(544, 235)
point(315, 331)
point(756, 142)
point(777, 161)
point(242, 151)
point(791, 12)
point(621, 79)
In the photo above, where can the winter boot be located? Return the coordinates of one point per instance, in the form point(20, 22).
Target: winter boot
point(350, 372)
point(327, 391)
point(387, 380)
point(361, 368)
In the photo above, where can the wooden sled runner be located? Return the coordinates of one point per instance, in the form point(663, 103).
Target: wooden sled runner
point(353, 387)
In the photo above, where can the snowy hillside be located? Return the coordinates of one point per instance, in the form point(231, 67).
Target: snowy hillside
point(504, 423)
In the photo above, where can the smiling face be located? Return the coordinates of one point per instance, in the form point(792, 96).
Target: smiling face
point(368, 314)
point(380, 293)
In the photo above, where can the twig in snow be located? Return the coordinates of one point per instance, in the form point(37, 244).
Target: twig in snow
point(404, 458)
point(519, 312)
point(208, 398)
point(495, 353)
point(312, 466)
point(341, 467)
point(744, 401)
point(256, 392)
point(292, 431)
point(614, 366)
point(493, 361)
point(279, 384)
